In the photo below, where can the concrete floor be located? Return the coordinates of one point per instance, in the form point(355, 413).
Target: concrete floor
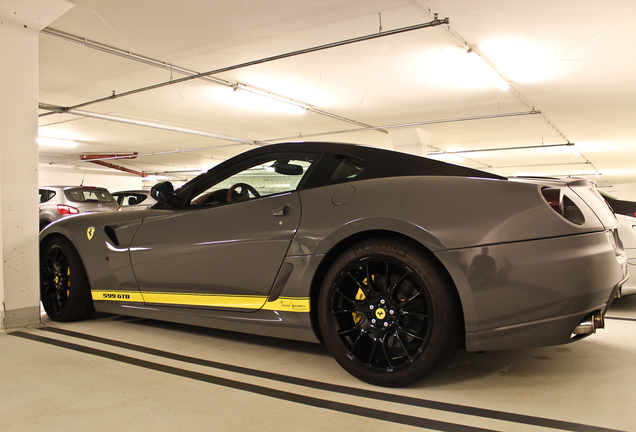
point(114, 373)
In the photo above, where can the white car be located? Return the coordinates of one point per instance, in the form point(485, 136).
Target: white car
point(134, 199)
point(627, 234)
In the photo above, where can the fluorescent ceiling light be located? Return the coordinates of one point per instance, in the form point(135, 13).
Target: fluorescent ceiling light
point(593, 147)
point(521, 61)
point(567, 148)
point(156, 178)
point(246, 97)
point(479, 66)
point(57, 142)
point(466, 69)
point(272, 96)
point(559, 174)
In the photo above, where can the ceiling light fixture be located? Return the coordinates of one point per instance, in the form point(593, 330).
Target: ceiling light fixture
point(270, 95)
point(539, 146)
point(572, 174)
point(137, 122)
point(57, 142)
point(496, 77)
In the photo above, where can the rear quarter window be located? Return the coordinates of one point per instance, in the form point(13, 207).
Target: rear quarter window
point(46, 195)
point(334, 169)
point(133, 199)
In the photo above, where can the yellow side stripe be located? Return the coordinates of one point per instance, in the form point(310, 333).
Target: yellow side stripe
point(287, 304)
point(218, 300)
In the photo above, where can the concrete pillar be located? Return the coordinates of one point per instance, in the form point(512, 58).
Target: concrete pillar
point(20, 23)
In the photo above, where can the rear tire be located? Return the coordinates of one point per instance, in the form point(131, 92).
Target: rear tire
point(388, 313)
point(64, 288)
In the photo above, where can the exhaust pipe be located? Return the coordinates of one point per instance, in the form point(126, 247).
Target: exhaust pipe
point(589, 325)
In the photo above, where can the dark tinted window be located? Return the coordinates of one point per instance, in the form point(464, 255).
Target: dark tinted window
point(334, 169)
point(347, 168)
point(132, 199)
point(46, 195)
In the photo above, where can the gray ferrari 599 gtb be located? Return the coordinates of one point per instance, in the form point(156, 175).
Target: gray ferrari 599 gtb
point(393, 261)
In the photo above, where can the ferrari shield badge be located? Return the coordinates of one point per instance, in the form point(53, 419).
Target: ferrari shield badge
point(89, 232)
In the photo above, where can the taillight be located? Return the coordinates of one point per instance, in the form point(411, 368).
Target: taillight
point(553, 197)
point(563, 205)
point(66, 209)
point(118, 208)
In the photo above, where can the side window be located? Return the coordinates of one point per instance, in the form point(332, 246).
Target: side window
point(261, 178)
point(46, 195)
point(347, 168)
point(334, 169)
point(132, 199)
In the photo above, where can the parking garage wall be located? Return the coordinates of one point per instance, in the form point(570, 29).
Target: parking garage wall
point(59, 175)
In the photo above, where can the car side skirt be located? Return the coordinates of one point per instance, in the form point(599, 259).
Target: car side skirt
point(273, 323)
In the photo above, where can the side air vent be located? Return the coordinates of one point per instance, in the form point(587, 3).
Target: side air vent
point(110, 232)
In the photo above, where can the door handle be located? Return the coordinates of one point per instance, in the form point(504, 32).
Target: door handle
point(283, 211)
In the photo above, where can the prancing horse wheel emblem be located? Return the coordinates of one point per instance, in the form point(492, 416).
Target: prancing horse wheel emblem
point(90, 232)
point(380, 313)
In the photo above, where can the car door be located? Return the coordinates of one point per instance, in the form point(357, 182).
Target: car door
point(218, 255)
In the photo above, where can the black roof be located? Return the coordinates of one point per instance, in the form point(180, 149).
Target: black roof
point(381, 162)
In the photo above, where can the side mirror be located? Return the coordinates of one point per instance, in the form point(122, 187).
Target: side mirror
point(162, 192)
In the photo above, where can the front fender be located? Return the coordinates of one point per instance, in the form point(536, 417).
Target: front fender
point(102, 241)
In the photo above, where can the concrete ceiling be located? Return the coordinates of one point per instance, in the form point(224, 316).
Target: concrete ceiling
point(570, 66)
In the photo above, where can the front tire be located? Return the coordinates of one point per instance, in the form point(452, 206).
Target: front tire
point(388, 313)
point(64, 288)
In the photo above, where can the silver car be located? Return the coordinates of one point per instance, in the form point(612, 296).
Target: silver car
point(134, 199)
point(57, 202)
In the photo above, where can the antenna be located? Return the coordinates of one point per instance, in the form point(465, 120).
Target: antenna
point(83, 177)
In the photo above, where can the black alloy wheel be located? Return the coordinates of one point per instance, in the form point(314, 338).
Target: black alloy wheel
point(64, 288)
point(387, 313)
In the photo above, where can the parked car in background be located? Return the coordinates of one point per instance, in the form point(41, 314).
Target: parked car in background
point(134, 199)
point(627, 208)
point(627, 234)
point(59, 201)
point(393, 261)
point(625, 212)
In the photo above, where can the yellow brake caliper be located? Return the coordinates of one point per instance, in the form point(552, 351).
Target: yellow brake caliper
point(360, 296)
point(68, 291)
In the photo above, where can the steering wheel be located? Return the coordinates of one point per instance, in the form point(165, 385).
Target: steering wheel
point(245, 190)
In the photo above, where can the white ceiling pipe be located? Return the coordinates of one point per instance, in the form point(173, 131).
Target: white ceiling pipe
point(434, 23)
point(143, 123)
point(181, 70)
